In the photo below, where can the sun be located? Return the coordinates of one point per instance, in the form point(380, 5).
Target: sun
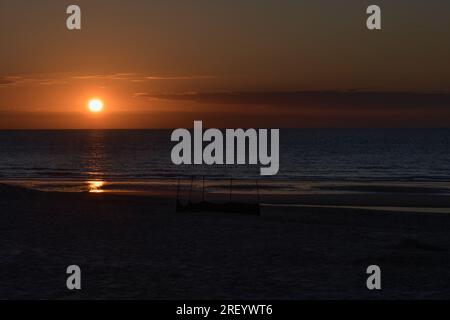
point(95, 105)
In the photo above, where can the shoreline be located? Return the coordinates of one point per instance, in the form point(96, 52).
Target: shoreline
point(377, 196)
point(241, 185)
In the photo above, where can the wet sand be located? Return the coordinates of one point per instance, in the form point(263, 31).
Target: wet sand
point(137, 247)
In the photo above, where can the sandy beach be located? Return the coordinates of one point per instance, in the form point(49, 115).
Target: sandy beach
point(138, 247)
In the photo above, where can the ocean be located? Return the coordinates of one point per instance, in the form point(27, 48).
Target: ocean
point(305, 155)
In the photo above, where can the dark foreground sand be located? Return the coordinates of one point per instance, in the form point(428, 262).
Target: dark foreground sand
point(135, 247)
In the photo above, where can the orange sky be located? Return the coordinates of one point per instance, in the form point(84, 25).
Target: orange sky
point(153, 62)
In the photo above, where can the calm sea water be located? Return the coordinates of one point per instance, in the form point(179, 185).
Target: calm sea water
point(313, 155)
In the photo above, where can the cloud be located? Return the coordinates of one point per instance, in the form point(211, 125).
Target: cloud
point(25, 79)
point(323, 99)
point(63, 78)
point(134, 77)
point(112, 76)
point(194, 77)
point(6, 81)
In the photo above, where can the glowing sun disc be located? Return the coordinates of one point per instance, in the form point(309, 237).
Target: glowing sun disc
point(95, 105)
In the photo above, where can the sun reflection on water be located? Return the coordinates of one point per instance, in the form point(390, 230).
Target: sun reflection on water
point(95, 186)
